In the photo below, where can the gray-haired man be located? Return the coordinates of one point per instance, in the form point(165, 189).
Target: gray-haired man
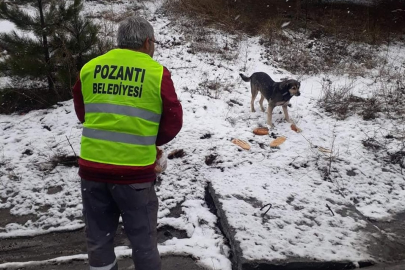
point(128, 106)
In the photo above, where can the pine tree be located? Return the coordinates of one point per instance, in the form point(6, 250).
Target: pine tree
point(58, 43)
point(75, 39)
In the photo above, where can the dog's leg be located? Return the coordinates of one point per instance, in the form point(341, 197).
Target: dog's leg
point(254, 95)
point(270, 115)
point(252, 104)
point(287, 117)
point(261, 102)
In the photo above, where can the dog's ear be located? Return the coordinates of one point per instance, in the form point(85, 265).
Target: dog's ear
point(285, 85)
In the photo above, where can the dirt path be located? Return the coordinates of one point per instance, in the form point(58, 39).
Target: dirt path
point(396, 266)
point(168, 263)
point(59, 244)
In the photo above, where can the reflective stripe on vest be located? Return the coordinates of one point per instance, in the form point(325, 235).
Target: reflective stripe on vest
point(123, 107)
point(123, 110)
point(118, 137)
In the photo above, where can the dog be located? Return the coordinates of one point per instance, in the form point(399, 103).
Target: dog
point(276, 93)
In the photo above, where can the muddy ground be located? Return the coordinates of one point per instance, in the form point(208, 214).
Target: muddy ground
point(58, 244)
point(168, 263)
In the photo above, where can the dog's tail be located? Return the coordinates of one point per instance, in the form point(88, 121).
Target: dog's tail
point(246, 79)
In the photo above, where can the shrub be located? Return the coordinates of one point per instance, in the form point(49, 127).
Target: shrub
point(63, 41)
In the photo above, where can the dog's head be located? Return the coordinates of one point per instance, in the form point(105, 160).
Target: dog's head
point(292, 86)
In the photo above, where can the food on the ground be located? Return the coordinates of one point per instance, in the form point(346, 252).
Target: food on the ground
point(278, 141)
point(295, 128)
point(241, 143)
point(324, 150)
point(261, 131)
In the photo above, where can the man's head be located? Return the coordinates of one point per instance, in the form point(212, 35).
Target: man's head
point(136, 33)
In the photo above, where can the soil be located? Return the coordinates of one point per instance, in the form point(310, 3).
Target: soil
point(396, 266)
point(395, 228)
point(57, 244)
point(168, 263)
point(372, 23)
point(22, 101)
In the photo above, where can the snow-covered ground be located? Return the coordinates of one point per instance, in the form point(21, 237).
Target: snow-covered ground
point(5, 26)
point(293, 177)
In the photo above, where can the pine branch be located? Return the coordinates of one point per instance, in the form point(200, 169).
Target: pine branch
point(20, 18)
point(4, 68)
point(64, 41)
point(14, 43)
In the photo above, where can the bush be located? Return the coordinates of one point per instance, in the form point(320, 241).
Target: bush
point(61, 42)
point(23, 100)
point(341, 103)
point(319, 18)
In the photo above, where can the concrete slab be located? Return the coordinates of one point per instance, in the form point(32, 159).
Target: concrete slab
point(367, 242)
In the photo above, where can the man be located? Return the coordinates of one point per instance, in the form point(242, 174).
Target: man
point(128, 106)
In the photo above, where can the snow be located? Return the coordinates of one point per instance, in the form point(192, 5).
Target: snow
point(291, 177)
point(6, 26)
point(16, 265)
point(4, 82)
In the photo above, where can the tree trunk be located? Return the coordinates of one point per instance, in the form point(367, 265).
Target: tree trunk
point(51, 84)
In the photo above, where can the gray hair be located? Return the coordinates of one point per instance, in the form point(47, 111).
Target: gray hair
point(132, 33)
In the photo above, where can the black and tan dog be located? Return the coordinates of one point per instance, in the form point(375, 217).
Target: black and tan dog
point(276, 93)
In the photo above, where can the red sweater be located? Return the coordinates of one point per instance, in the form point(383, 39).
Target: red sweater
point(170, 124)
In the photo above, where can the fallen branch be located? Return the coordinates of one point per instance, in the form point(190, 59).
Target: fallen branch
point(333, 214)
point(71, 146)
point(270, 205)
point(183, 67)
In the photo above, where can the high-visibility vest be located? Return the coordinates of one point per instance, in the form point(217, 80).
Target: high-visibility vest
point(123, 106)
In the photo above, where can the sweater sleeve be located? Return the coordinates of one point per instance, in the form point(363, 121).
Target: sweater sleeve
point(171, 120)
point(78, 100)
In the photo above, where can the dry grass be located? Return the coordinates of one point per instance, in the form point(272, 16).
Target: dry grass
point(205, 12)
point(295, 52)
point(202, 39)
point(211, 88)
point(367, 24)
point(391, 91)
point(387, 96)
point(22, 100)
point(112, 16)
point(336, 100)
point(340, 102)
point(329, 45)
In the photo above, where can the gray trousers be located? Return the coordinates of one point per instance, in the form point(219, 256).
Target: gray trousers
point(103, 203)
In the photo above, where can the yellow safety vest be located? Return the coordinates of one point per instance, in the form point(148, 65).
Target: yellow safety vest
point(123, 106)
